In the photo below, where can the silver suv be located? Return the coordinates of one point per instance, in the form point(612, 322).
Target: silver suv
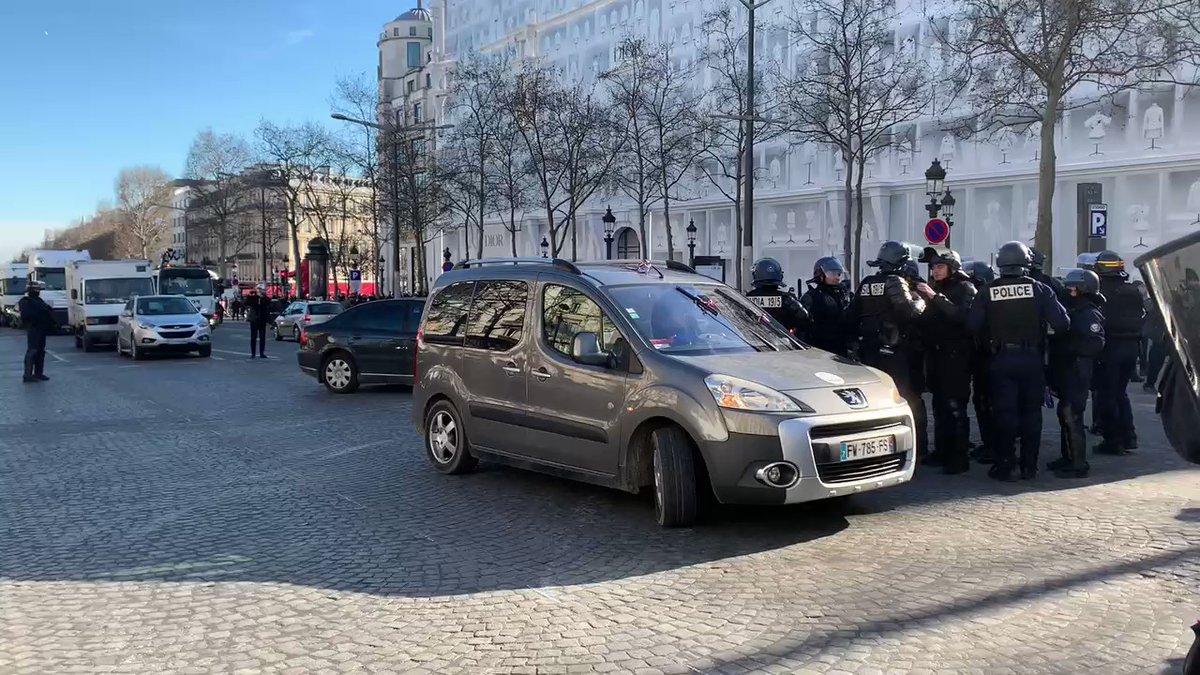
point(636, 375)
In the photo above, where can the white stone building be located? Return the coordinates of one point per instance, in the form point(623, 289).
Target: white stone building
point(1142, 148)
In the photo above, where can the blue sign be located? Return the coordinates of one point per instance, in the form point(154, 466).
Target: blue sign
point(1097, 221)
point(355, 275)
point(937, 230)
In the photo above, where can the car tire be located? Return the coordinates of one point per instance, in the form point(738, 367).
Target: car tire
point(295, 333)
point(339, 374)
point(275, 330)
point(675, 502)
point(88, 344)
point(446, 440)
point(205, 352)
point(135, 353)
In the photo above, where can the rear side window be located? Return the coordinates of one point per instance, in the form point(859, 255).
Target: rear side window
point(379, 317)
point(497, 318)
point(412, 316)
point(446, 320)
point(325, 308)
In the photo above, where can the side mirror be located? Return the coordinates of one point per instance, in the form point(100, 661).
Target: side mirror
point(126, 313)
point(74, 294)
point(586, 350)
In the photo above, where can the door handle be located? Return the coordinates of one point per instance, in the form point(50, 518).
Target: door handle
point(541, 374)
point(511, 368)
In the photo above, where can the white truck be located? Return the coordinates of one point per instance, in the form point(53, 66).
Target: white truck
point(50, 269)
point(13, 280)
point(98, 291)
point(198, 284)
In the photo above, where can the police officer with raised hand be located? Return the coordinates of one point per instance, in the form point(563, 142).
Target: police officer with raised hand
point(1072, 357)
point(950, 353)
point(1012, 315)
point(1124, 315)
point(981, 275)
point(770, 293)
point(883, 312)
point(827, 302)
point(38, 321)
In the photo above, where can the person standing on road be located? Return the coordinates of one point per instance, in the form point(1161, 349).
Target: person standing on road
point(1123, 318)
point(827, 302)
point(1072, 357)
point(982, 275)
point(257, 314)
point(950, 346)
point(38, 320)
point(770, 293)
point(1013, 315)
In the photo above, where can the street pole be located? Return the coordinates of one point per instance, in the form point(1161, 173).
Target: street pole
point(395, 219)
point(748, 194)
point(262, 202)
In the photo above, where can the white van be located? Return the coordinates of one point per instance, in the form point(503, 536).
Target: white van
point(13, 279)
point(98, 291)
point(50, 269)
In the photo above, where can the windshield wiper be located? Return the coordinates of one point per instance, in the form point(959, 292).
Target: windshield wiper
point(710, 307)
point(700, 301)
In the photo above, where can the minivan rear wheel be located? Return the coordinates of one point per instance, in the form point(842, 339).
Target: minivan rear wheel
point(675, 503)
point(446, 440)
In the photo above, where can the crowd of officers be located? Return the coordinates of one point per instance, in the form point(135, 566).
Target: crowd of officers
point(1011, 343)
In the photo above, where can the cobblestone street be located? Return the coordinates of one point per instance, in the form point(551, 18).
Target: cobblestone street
point(215, 515)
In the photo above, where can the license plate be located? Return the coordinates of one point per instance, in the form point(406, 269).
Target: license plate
point(768, 301)
point(868, 447)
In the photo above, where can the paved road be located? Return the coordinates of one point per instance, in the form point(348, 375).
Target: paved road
point(214, 515)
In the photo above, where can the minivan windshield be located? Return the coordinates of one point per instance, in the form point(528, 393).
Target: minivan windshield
point(699, 319)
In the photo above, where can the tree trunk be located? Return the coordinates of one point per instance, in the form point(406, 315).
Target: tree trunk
point(574, 237)
point(482, 203)
point(852, 264)
point(737, 227)
point(1047, 175)
point(512, 229)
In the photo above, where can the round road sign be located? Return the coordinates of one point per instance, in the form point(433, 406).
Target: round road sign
point(937, 230)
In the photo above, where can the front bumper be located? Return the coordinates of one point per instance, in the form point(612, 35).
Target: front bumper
point(309, 362)
point(813, 445)
point(172, 340)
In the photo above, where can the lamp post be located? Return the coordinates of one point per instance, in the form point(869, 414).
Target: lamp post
point(691, 237)
point(610, 224)
point(545, 246)
point(940, 199)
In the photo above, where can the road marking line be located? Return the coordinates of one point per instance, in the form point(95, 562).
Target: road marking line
point(56, 356)
point(243, 354)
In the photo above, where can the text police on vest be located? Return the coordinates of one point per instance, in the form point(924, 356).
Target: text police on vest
point(1013, 292)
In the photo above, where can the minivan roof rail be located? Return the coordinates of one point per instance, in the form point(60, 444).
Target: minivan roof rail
point(674, 265)
point(559, 263)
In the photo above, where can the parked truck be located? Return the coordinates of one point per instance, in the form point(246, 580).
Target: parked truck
point(13, 279)
point(98, 290)
point(50, 269)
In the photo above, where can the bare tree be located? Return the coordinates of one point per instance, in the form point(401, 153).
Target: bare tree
point(358, 97)
point(853, 92)
point(141, 193)
point(630, 86)
point(1027, 61)
point(417, 193)
point(508, 178)
point(214, 164)
point(298, 153)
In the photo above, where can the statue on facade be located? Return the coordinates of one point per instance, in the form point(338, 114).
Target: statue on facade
point(947, 149)
point(1097, 126)
point(1153, 124)
point(1005, 140)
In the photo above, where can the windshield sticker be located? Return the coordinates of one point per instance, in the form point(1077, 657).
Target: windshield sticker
point(632, 313)
point(830, 378)
point(658, 343)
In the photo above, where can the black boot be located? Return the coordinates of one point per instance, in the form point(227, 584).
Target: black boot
point(1002, 473)
point(43, 378)
point(1073, 472)
point(1060, 463)
point(1029, 472)
point(28, 378)
point(1106, 448)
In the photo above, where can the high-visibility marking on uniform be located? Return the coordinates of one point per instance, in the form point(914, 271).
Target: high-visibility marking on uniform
point(768, 301)
point(1013, 292)
point(871, 289)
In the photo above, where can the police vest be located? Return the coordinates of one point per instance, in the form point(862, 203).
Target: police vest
point(1013, 316)
point(877, 320)
point(780, 305)
point(1123, 315)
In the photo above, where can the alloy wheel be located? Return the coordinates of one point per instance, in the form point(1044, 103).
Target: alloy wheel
point(443, 437)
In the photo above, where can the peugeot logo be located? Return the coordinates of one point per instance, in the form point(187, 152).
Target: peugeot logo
point(853, 397)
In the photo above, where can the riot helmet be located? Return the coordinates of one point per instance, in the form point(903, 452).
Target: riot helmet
point(981, 271)
point(827, 265)
point(1013, 259)
point(1085, 282)
point(1037, 261)
point(1086, 261)
point(892, 256)
point(1109, 264)
point(949, 258)
point(767, 272)
point(912, 270)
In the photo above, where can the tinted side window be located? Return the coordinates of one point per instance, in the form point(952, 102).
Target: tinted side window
point(412, 316)
point(380, 317)
point(446, 321)
point(497, 318)
point(567, 312)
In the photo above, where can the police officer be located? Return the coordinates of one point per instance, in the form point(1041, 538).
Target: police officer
point(1072, 356)
point(770, 294)
point(38, 321)
point(1012, 316)
point(827, 303)
point(950, 348)
point(915, 338)
point(982, 274)
point(1124, 315)
point(883, 313)
point(1037, 272)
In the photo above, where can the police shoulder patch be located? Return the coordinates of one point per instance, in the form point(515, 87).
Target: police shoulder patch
point(1096, 328)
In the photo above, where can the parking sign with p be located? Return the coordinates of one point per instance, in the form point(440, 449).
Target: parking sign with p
point(1097, 221)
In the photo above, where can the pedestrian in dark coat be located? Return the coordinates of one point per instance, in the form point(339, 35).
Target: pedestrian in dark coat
point(258, 314)
point(38, 320)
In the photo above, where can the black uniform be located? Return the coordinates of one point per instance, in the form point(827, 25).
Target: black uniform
point(782, 306)
point(1124, 315)
point(827, 307)
point(1012, 316)
point(948, 361)
point(258, 314)
point(885, 311)
point(1072, 358)
point(38, 320)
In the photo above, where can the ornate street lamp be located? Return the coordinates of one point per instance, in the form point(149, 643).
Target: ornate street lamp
point(935, 178)
point(610, 225)
point(948, 203)
point(354, 256)
point(691, 237)
point(545, 246)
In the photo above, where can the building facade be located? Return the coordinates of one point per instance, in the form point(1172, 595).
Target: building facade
point(1137, 153)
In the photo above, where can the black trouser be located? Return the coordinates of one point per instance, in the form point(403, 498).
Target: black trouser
point(35, 352)
point(258, 331)
point(1071, 405)
point(1115, 414)
point(1155, 359)
point(1018, 383)
point(950, 431)
point(981, 393)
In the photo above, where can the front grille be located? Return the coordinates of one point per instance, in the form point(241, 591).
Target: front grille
point(861, 469)
point(176, 333)
point(103, 320)
point(182, 326)
point(858, 427)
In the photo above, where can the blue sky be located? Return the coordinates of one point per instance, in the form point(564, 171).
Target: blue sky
point(91, 86)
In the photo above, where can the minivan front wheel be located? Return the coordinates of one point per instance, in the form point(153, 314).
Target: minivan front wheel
point(446, 440)
point(675, 503)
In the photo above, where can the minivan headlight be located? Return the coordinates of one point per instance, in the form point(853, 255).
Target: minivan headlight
point(738, 394)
